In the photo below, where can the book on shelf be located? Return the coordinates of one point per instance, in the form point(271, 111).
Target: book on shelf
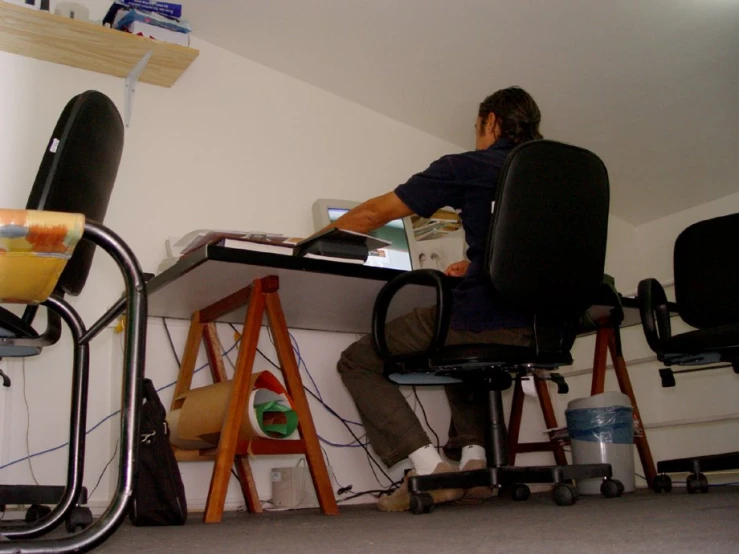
point(169, 9)
point(148, 30)
point(339, 243)
point(121, 17)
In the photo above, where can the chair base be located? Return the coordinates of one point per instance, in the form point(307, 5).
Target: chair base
point(696, 480)
point(39, 497)
point(36, 494)
point(696, 464)
point(513, 479)
point(503, 476)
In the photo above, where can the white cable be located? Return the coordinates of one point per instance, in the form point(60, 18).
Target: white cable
point(28, 420)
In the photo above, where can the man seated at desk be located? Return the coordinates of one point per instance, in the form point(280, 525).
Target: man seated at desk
point(467, 182)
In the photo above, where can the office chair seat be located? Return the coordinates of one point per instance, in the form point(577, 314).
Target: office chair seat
point(498, 354)
point(12, 326)
point(714, 344)
point(464, 360)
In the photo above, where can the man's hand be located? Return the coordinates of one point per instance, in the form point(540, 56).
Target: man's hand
point(457, 269)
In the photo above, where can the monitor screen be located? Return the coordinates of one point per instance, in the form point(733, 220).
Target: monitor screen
point(395, 256)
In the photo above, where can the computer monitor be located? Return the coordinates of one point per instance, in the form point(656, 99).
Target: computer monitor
point(396, 256)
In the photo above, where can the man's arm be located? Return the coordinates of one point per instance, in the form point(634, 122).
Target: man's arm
point(372, 214)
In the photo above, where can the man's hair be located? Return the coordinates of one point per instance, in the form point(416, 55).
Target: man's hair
point(516, 113)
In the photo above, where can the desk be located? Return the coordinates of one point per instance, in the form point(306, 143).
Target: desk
point(339, 297)
point(316, 294)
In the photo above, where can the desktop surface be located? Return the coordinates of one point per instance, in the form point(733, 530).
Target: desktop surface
point(315, 294)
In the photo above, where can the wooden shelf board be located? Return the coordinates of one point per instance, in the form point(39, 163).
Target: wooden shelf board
point(82, 44)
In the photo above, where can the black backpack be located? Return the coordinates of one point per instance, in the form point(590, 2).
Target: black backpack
point(158, 494)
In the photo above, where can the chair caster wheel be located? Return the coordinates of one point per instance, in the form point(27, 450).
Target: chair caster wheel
point(662, 483)
point(79, 518)
point(611, 488)
point(520, 492)
point(564, 494)
point(36, 512)
point(422, 503)
point(697, 483)
point(621, 487)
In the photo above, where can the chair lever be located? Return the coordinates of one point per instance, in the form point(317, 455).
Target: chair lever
point(5, 378)
point(556, 378)
point(562, 386)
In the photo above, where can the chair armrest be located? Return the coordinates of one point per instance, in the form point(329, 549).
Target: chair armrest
point(428, 277)
point(654, 312)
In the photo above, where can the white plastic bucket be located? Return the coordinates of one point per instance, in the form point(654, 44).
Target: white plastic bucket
point(601, 429)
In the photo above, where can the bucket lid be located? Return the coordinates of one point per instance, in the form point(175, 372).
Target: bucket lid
point(606, 399)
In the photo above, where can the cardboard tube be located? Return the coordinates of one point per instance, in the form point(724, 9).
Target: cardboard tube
point(269, 413)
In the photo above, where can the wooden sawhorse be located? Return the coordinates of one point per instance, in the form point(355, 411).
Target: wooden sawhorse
point(261, 295)
point(605, 341)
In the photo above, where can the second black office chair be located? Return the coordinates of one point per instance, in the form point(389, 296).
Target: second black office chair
point(706, 271)
point(545, 255)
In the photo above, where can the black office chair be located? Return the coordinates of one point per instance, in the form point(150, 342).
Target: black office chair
point(545, 255)
point(76, 176)
point(707, 298)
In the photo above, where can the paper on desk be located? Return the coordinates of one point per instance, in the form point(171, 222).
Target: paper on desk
point(183, 242)
point(199, 237)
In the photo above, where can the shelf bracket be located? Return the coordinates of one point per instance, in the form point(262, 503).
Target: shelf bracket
point(131, 80)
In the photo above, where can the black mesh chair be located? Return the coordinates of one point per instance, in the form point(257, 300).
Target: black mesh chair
point(76, 176)
point(706, 274)
point(545, 255)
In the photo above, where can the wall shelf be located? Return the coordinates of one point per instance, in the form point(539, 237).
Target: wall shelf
point(82, 44)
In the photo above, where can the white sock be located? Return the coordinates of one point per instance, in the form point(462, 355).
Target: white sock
point(425, 459)
point(472, 452)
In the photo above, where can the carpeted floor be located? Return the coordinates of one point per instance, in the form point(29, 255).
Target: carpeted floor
point(638, 522)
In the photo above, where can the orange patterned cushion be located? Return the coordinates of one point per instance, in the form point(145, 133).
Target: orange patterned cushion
point(34, 249)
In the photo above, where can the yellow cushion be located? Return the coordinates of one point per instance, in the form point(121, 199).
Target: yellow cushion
point(34, 249)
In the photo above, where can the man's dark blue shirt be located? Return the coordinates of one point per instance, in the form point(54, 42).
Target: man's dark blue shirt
point(467, 182)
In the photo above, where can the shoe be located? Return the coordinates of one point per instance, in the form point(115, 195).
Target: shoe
point(476, 494)
point(400, 500)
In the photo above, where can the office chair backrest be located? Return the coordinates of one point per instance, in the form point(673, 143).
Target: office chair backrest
point(78, 170)
point(547, 243)
point(706, 267)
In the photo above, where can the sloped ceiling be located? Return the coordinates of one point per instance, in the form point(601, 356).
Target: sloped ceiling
point(652, 86)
